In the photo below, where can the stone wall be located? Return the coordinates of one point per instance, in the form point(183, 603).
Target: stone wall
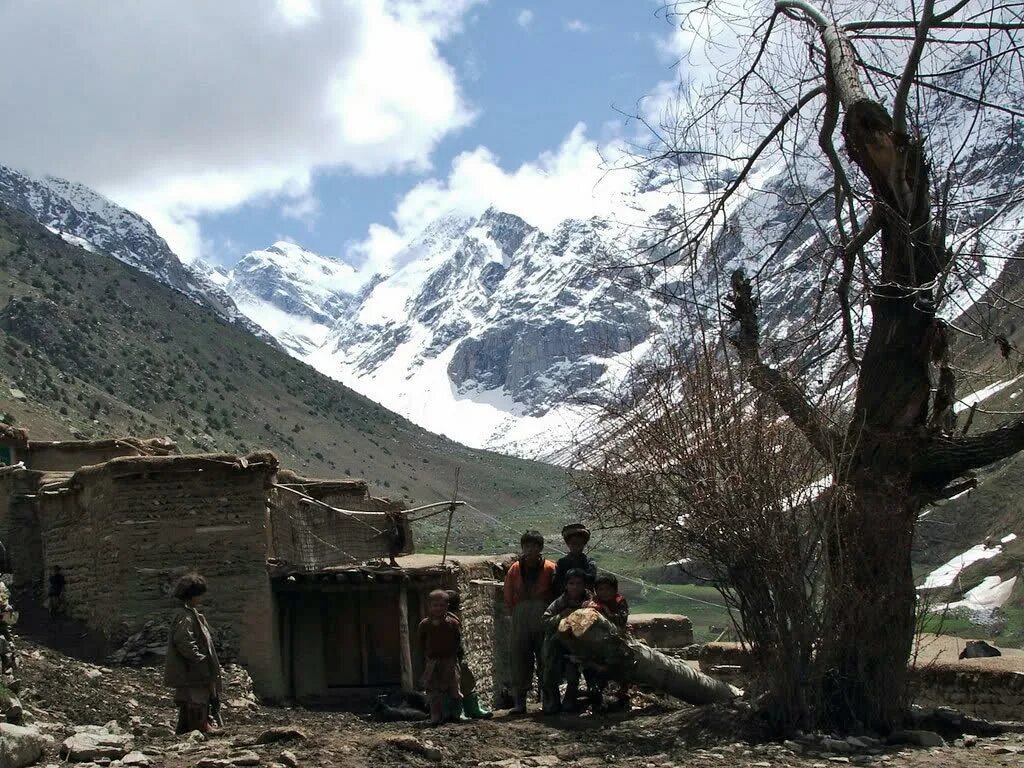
point(124, 531)
point(486, 629)
point(993, 694)
point(662, 630)
point(69, 455)
point(309, 536)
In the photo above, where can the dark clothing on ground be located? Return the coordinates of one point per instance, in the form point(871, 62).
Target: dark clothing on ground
point(567, 563)
point(616, 610)
point(441, 639)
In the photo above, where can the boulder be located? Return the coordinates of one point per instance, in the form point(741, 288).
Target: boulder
point(20, 746)
point(136, 760)
point(979, 649)
point(92, 743)
point(281, 734)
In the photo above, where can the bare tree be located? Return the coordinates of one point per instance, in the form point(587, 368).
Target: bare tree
point(904, 233)
point(721, 483)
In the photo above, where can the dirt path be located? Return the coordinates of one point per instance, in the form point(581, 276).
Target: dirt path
point(60, 693)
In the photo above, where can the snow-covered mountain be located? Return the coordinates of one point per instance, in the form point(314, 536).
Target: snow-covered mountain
point(491, 332)
point(86, 218)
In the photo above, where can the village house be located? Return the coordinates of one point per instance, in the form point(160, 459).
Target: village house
point(304, 590)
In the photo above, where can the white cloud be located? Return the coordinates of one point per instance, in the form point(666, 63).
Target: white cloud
point(577, 25)
point(525, 18)
point(179, 107)
point(305, 209)
point(570, 182)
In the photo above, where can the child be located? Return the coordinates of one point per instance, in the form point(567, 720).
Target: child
point(527, 593)
point(613, 607)
point(576, 536)
point(558, 664)
point(440, 636)
point(467, 682)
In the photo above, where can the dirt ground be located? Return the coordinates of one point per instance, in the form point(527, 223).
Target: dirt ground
point(59, 693)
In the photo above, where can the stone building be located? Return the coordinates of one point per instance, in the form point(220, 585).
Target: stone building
point(68, 455)
point(303, 591)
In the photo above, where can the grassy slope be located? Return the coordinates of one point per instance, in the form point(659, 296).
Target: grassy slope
point(103, 350)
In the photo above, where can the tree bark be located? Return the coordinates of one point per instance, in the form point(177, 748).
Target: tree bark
point(595, 640)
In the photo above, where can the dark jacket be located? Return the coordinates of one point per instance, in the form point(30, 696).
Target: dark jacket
point(191, 658)
point(569, 562)
point(562, 604)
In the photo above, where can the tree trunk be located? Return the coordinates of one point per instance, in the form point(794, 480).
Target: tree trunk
point(592, 638)
point(870, 610)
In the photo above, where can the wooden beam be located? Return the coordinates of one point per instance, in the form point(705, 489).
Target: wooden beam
point(404, 639)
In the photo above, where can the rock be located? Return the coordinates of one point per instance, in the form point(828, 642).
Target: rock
point(213, 762)
point(839, 759)
point(281, 734)
point(863, 742)
point(159, 732)
point(20, 746)
point(289, 759)
point(195, 736)
point(15, 714)
point(410, 744)
point(1004, 751)
point(95, 743)
point(541, 760)
point(970, 740)
point(93, 674)
point(136, 759)
point(248, 757)
point(793, 746)
point(918, 738)
point(836, 745)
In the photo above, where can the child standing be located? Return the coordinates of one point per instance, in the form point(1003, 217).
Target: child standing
point(527, 593)
point(440, 636)
point(613, 606)
point(576, 537)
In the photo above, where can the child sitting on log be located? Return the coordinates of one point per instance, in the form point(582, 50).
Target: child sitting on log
point(558, 664)
point(613, 606)
point(440, 635)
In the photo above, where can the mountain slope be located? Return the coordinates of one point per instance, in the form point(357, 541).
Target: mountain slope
point(489, 331)
point(100, 349)
point(86, 218)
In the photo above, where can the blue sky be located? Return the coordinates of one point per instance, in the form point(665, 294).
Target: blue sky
point(343, 125)
point(530, 71)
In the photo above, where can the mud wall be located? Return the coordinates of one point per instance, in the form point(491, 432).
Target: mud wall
point(125, 531)
point(486, 629)
point(70, 456)
point(993, 694)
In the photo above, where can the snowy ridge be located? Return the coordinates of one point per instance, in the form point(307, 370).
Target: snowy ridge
point(87, 219)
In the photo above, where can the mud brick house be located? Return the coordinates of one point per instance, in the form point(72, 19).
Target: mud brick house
point(302, 589)
point(69, 455)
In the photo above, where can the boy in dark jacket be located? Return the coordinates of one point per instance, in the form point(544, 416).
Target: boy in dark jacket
point(440, 637)
point(613, 606)
point(558, 665)
point(576, 537)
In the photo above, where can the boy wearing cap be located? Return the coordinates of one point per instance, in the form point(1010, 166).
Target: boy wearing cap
point(528, 592)
point(576, 536)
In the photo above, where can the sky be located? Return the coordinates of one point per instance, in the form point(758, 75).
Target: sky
point(341, 125)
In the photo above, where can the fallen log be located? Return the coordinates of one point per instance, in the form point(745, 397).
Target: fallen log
point(596, 642)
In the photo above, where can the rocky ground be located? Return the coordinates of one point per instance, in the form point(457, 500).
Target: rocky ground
point(123, 717)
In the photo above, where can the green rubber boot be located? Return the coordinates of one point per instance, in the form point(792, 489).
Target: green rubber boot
point(453, 710)
point(472, 707)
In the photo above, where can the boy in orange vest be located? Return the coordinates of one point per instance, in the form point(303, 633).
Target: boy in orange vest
point(528, 592)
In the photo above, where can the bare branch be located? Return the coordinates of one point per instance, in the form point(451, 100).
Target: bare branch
point(742, 309)
point(899, 106)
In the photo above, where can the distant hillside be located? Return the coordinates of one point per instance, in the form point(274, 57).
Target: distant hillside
point(99, 348)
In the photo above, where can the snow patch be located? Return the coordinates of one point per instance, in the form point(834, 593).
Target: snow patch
point(945, 575)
